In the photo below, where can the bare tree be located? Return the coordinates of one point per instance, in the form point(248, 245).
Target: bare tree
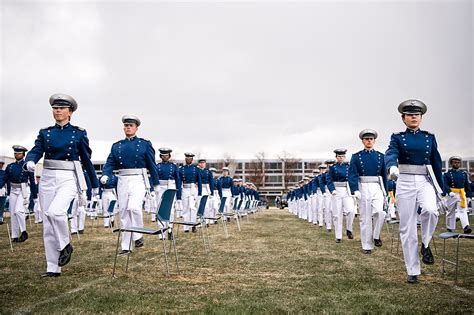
point(289, 167)
point(256, 170)
point(230, 162)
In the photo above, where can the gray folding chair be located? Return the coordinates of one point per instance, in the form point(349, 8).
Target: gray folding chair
point(167, 200)
point(447, 235)
point(110, 213)
point(220, 216)
point(3, 201)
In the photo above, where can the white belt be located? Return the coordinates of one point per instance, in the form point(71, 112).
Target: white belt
point(58, 165)
point(15, 185)
point(130, 171)
point(108, 190)
point(225, 189)
point(413, 169)
point(188, 185)
point(369, 179)
point(340, 184)
point(165, 182)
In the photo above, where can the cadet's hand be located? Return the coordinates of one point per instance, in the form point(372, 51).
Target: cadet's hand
point(334, 192)
point(30, 166)
point(452, 194)
point(104, 179)
point(153, 195)
point(357, 194)
point(26, 202)
point(95, 192)
point(394, 173)
point(325, 194)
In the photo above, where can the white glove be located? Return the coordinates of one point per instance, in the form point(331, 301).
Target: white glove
point(326, 194)
point(394, 172)
point(153, 195)
point(334, 192)
point(30, 166)
point(35, 200)
point(452, 194)
point(104, 179)
point(179, 205)
point(26, 202)
point(357, 194)
point(95, 192)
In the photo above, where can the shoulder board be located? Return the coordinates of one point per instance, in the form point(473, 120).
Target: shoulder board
point(399, 133)
point(379, 152)
point(79, 128)
point(143, 139)
point(47, 128)
point(427, 132)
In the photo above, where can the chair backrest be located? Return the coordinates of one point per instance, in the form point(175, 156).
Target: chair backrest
point(3, 202)
point(222, 205)
point(94, 205)
point(69, 210)
point(164, 212)
point(111, 207)
point(202, 205)
point(236, 205)
point(247, 205)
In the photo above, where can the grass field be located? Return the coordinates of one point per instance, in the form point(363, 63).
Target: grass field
point(277, 264)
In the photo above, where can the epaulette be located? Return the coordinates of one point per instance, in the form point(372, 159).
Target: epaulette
point(399, 133)
point(427, 132)
point(47, 128)
point(79, 128)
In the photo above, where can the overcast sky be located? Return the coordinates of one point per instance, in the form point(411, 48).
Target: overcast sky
point(237, 78)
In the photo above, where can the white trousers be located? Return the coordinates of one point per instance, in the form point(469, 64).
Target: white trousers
point(17, 212)
point(342, 203)
point(455, 211)
point(415, 191)
point(131, 192)
point(314, 209)
point(78, 216)
point(107, 197)
point(38, 212)
point(320, 203)
point(57, 189)
point(188, 197)
point(371, 213)
point(228, 202)
point(327, 210)
point(206, 191)
point(159, 194)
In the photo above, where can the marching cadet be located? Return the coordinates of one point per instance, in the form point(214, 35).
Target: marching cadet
point(64, 147)
point(21, 185)
point(324, 199)
point(343, 203)
point(36, 208)
point(225, 184)
point(420, 179)
point(132, 157)
point(192, 189)
point(312, 201)
point(391, 187)
point(109, 193)
point(457, 186)
point(207, 182)
point(3, 188)
point(168, 175)
point(318, 196)
point(215, 202)
point(367, 182)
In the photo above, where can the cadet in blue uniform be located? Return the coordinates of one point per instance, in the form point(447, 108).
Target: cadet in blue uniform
point(367, 182)
point(21, 185)
point(169, 179)
point(132, 157)
point(457, 187)
point(64, 147)
point(225, 184)
point(343, 203)
point(323, 197)
point(207, 182)
point(413, 158)
point(192, 189)
point(109, 193)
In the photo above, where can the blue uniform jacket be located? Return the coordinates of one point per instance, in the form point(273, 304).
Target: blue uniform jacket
point(415, 147)
point(366, 163)
point(225, 182)
point(207, 178)
point(337, 173)
point(322, 182)
point(457, 179)
point(15, 173)
point(132, 153)
point(190, 174)
point(169, 171)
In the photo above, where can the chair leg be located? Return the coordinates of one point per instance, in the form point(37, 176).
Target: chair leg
point(203, 239)
point(9, 237)
point(444, 256)
point(116, 253)
point(224, 226)
point(434, 245)
point(175, 251)
point(238, 221)
point(163, 241)
point(208, 238)
point(129, 248)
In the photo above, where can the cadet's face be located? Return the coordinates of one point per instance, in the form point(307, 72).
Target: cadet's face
point(412, 121)
point(188, 160)
point(19, 156)
point(1, 165)
point(165, 157)
point(368, 143)
point(323, 170)
point(130, 129)
point(456, 164)
point(225, 172)
point(202, 164)
point(340, 158)
point(62, 114)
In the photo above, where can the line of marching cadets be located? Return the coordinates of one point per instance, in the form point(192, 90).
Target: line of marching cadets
point(69, 186)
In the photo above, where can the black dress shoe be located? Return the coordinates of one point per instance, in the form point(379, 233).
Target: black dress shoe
point(412, 279)
point(124, 252)
point(427, 255)
point(65, 255)
point(228, 219)
point(194, 230)
point(23, 237)
point(81, 231)
point(140, 242)
point(15, 240)
point(329, 230)
point(467, 229)
point(170, 236)
point(1, 222)
point(186, 231)
point(378, 242)
point(338, 240)
point(349, 235)
point(367, 251)
point(50, 274)
point(449, 230)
